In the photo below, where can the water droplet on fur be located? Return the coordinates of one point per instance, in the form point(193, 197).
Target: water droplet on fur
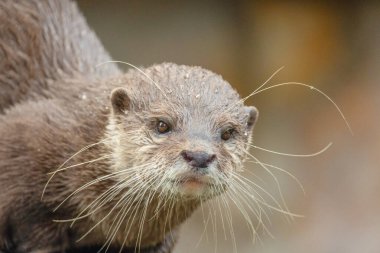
point(187, 76)
point(84, 96)
point(197, 96)
point(216, 91)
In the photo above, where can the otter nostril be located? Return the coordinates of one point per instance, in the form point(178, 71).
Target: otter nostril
point(198, 159)
point(211, 158)
point(185, 154)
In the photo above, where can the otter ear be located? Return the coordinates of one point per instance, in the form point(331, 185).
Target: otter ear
point(253, 114)
point(120, 101)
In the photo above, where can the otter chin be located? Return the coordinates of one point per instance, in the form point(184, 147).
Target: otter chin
point(192, 185)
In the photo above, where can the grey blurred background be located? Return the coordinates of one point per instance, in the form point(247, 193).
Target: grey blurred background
point(332, 46)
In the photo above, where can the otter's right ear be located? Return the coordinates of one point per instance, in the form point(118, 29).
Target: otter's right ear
point(120, 101)
point(253, 114)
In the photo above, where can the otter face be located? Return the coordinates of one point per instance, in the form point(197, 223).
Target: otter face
point(182, 143)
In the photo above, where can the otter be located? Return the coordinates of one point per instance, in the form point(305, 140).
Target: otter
point(95, 159)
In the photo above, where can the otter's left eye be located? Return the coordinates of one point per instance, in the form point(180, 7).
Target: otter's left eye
point(226, 135)
point(162, 127)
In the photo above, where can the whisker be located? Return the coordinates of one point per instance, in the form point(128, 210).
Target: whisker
point(103, 198)
point(79, 164)
point(205, 224)
point(274, 178)
point(139, 70)
point(128, 195)
point(230, 224)
point(93, 227)
point(282, 170)
point(245, 98)
point(99, 179)
point(312, 88)
point(118, 221)
point(241, 180)
point(270, 78)
point(71, 157)
point(222, 219)
point(240, 185)
point(141, 227)
point(246, 192)
point(242, 210)
point(133, 211)
point(275, 208)
point(293, 155)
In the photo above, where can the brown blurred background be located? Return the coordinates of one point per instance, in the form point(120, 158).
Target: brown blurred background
point(332, 46)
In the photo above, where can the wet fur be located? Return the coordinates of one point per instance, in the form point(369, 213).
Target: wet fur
point(55, 102)
point(43, 42)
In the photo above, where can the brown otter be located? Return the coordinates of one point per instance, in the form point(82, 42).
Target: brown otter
point(151, 146)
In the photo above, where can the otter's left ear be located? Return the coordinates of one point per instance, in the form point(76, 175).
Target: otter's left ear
point(253, 114)
point(120, 101)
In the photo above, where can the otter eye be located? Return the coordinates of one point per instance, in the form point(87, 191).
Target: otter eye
point(162, 127)
point(226, 135)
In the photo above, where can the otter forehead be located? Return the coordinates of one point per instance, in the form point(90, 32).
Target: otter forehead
point(197, 92)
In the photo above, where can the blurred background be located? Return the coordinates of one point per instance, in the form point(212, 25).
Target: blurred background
point(332, 46)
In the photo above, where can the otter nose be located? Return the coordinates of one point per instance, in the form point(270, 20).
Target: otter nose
point(198, 159)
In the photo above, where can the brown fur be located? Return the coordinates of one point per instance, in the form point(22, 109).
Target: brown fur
point(61, 104)
point(42, 42)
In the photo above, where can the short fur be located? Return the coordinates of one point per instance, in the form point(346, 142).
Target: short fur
point(42, 42)
point(56, 103)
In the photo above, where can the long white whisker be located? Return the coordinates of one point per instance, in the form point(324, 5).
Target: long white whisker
point(71, 157)
point(245, 98)
point(242, 194)
point(293, 155)
point(82, 163)
point(282, 170)
point(108, 176)
point(274, 178)
point(242, 210)
point(270, 78)
point(138, 69)
point(313, 88)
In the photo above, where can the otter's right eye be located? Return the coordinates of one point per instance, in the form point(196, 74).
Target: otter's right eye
point(162, 127)
point(226, 135)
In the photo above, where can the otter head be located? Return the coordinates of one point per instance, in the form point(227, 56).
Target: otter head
point(180, 131)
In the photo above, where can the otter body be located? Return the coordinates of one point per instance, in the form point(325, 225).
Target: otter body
point(91, 158)
point(42, 42)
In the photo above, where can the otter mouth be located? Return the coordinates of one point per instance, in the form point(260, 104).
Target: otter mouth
point(192, 179)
